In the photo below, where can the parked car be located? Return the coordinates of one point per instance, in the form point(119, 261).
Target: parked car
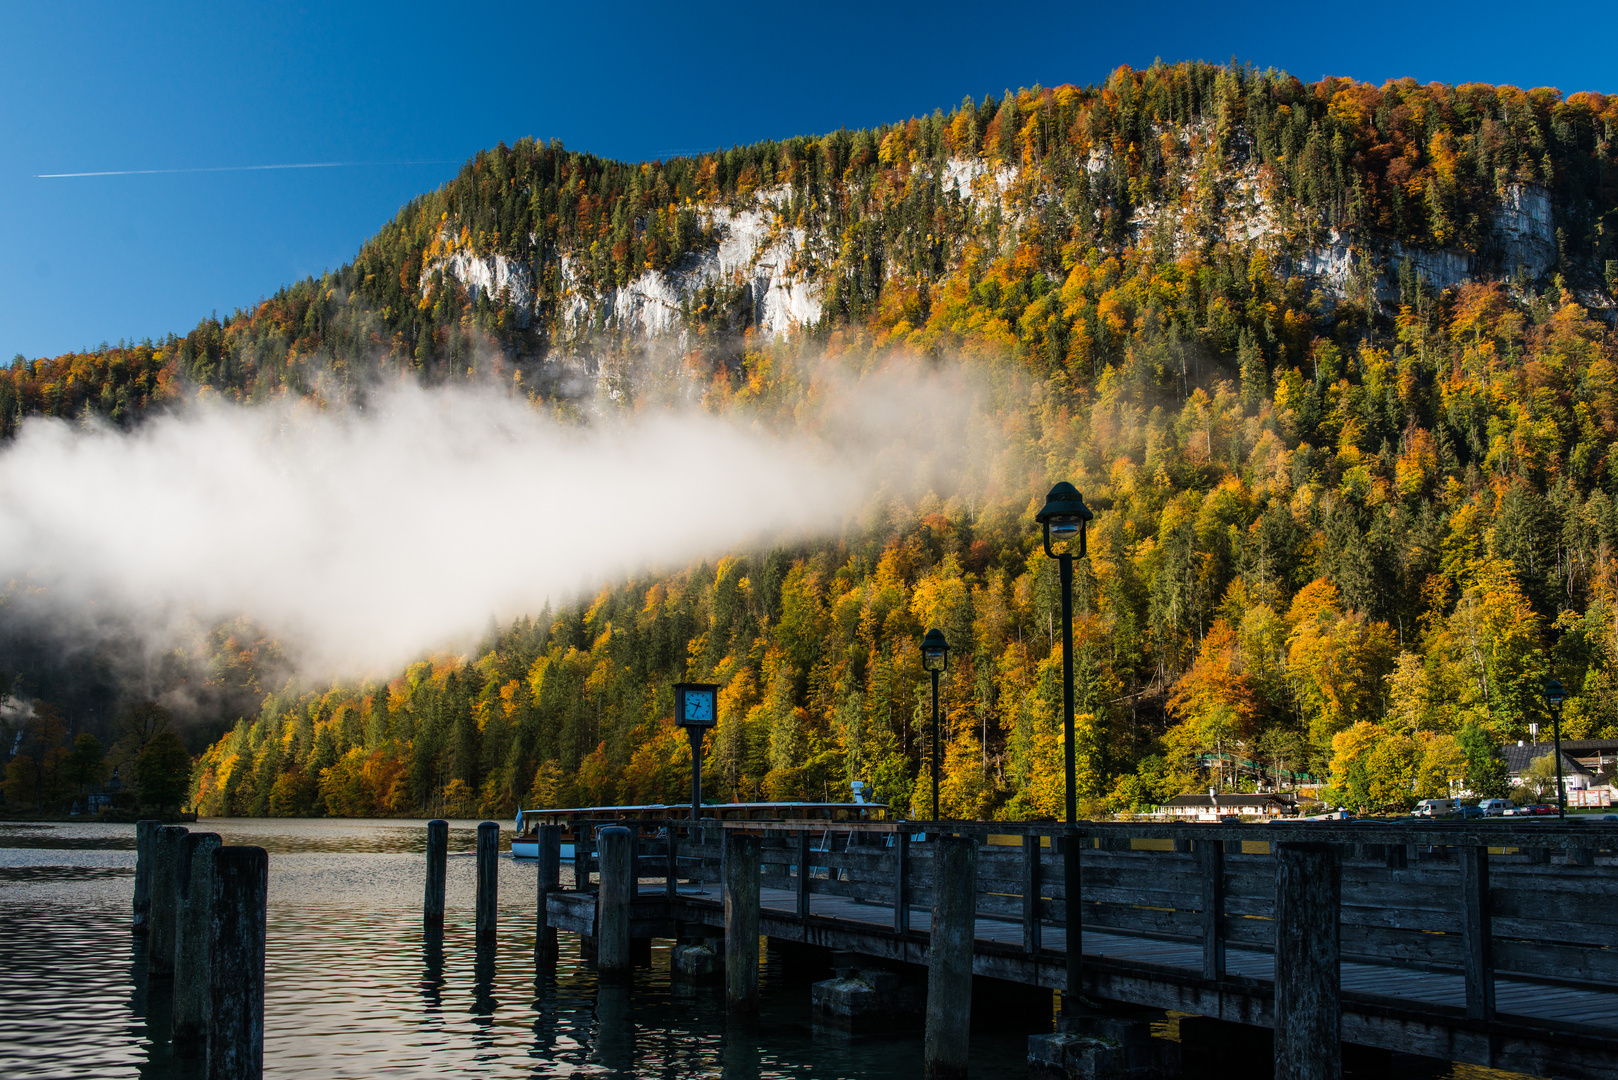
point(1541, 808)
point(1468, 811)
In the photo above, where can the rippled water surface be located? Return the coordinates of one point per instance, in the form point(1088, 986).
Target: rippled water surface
point(353, 990)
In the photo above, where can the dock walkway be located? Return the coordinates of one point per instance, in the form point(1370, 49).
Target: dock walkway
point(1489, 943)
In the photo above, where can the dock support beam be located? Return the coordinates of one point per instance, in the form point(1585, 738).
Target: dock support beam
point(145, 831)
point(488, 884)
point(550, 880)
point(617, 847)
point(193, 939)
point(236, 982)
point(432, 905)
point(1308, 1018)
point(165, 900)
point(741, 923)
point(949, 958)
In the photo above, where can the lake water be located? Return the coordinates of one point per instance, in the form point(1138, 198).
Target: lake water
point(352, 991)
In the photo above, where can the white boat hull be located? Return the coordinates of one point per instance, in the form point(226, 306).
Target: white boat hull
point(529, 849)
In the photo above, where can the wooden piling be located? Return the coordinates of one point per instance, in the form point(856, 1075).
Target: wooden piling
point(1032, 929)
point(949, 957)
point(145, 830)
point(236, 976)
point(1477, 933)
point(488, 897)
point(616, 845)
point(1211, 863)
point(803, 874)
point(901, 883)
point(1308, 894)
point(165, 901)
point(741, 871)
point(193, 939)
point(432, 907)
point(550, 880)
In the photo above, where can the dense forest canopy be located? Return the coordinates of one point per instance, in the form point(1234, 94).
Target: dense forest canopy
point(1346, 527)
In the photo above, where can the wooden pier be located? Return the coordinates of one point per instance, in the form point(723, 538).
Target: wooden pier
point(1488, 942)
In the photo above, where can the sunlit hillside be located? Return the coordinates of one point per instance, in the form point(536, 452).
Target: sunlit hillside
point(1334, 363)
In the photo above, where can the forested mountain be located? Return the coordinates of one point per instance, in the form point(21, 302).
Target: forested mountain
point(1335, 363)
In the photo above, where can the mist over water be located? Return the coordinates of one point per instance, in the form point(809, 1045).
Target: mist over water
point(363, 536)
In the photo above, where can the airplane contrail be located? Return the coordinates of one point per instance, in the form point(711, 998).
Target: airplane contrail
point(233, 168)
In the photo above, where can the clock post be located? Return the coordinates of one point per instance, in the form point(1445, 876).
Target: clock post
point(696, 710)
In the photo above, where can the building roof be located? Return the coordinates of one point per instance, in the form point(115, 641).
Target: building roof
point(1230, 801)
point(1520, 755)
point(1593, 746)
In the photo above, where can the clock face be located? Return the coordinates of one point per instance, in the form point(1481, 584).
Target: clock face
point(699, 706)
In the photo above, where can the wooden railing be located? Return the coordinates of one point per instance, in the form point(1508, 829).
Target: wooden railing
point(1535, 901)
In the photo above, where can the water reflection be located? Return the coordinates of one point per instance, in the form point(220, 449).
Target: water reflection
point(614, 1032)
point(483, 1002)
point(740, 1059)
point(432, 963)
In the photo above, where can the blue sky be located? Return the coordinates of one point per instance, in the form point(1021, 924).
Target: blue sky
point(407, 91)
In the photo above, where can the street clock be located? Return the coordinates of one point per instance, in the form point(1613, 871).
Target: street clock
point(695, 704)
point(696, 708)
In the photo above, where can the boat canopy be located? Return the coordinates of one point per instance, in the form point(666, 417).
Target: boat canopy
point(762, 811)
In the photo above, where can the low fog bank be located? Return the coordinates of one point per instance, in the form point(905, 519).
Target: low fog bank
point(363, 537)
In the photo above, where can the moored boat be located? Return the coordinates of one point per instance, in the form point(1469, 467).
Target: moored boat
point(525, 845)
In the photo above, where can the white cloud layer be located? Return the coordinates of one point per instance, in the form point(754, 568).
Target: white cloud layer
point(364, 538)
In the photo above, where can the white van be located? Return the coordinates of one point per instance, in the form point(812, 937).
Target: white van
point(1496, 807)
point(1434, 807)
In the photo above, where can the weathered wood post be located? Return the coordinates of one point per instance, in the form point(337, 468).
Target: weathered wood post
point(1032, 937)
point(671, 864)
point(165, 900)
point(432, 905)
point(236, 978)
point(741, 923)
point(1308, 892)
point(193, 939)
point(488, 884)
point(803, 874)
point(617, 847)
point(1477, 933)
point(145, 830)
point(949, 957)
point(550, 880)
point(1211, 863)
point(901, 882)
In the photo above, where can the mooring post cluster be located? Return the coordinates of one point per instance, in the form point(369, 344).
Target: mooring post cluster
point(202, 907)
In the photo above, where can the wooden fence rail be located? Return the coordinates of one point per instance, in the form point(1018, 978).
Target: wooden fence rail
point(1470, 899)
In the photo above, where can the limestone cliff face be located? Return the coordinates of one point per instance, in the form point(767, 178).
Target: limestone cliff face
point(756, 260)
point(776, 275)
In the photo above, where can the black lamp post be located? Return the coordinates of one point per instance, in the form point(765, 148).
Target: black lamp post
point(1062, 520)
point(1554, 695)
point(935, 658)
